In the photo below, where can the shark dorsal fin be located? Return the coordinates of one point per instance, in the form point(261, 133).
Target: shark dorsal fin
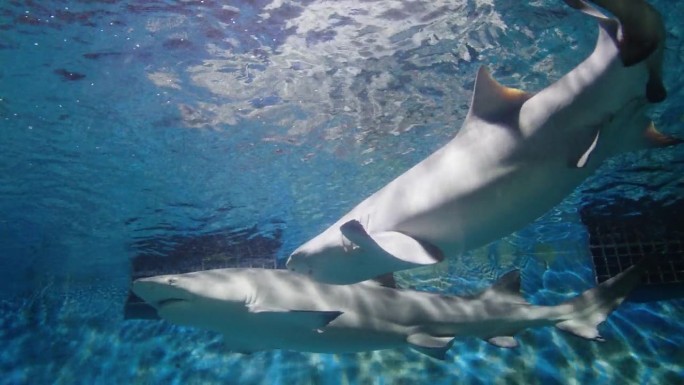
point(494, 102)
point(506, 288)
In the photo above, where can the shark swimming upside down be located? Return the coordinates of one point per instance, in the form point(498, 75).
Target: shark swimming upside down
point(517, 155)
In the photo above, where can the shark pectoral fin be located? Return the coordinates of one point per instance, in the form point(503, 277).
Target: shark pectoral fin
point(354, 231)
point(494, 102)
point(310, 319)
point(400, 246)
point(314, 319)
point(582, 328)
point(503, 342)
point(435, 347)
point(655, 138)
point(408, 249)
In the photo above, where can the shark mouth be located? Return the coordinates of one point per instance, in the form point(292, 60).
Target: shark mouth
point(169, 301)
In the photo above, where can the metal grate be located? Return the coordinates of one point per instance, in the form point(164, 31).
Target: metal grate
point(222, 249)
point(625, 232)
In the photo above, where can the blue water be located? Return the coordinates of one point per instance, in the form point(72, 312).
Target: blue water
point(129, 121)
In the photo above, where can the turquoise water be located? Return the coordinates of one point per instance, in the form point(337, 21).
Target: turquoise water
point(125, 122)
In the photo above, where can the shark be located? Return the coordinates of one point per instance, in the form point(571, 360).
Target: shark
point(260, 309)
point(517, 155)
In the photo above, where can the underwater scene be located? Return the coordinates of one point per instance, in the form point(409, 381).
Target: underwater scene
point(141, 138)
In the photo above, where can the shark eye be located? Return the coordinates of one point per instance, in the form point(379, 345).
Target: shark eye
point(172, 281)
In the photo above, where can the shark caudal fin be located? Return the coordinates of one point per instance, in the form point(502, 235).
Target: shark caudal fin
point(593, 306)
point(642, 37)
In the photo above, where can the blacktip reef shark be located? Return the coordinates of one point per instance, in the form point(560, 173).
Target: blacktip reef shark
point(260, 309)
point(516, 156)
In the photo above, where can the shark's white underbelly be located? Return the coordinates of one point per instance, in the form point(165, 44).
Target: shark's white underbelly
point(469, 197)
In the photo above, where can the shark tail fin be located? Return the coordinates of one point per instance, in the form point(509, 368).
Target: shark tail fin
point(642, 27)
point(593, 306)
point(642, 37)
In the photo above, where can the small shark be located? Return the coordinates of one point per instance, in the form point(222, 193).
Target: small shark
point(516, 156)
point(260, 309)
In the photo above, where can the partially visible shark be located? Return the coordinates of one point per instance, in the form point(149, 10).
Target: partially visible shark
point(258, 309)
point(517, 155)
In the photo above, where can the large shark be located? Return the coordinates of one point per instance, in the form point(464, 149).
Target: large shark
point(259, 309)
point(516, 156)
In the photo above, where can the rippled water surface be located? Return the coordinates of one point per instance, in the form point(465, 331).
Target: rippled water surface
point(125, 125)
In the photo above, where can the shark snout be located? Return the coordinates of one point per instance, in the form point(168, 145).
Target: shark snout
point(297, 262)
point(159, 291)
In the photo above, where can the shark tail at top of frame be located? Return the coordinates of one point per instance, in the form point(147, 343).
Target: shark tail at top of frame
point(641, 37)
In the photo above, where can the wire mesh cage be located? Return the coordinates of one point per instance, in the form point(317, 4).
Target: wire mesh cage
point(623, 232)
